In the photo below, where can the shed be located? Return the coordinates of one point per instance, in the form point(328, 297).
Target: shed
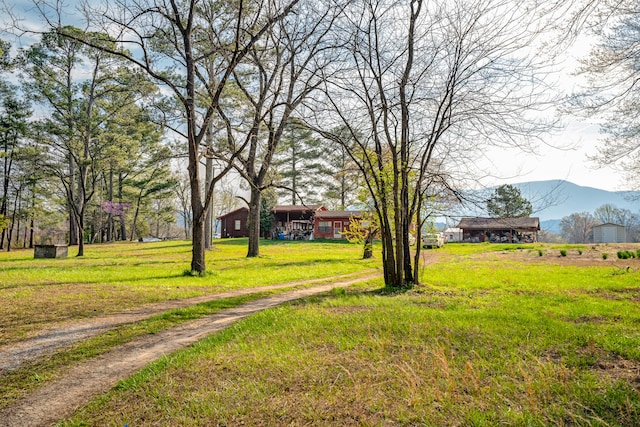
point(453, 234)
point(500, 230)
point(235, 223)
point(331, 224)
point(609, 233)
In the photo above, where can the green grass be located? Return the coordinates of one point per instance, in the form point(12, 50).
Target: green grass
point(486, 340)
point(16, 383)
point(115, 277)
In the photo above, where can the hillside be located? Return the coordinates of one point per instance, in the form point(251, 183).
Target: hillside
point(554, 199)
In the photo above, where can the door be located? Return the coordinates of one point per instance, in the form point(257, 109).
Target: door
point(337, 229)
point(608, 234)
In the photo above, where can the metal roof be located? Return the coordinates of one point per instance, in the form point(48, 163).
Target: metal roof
point(296, 208)
point(338, 214)
point(499, 223)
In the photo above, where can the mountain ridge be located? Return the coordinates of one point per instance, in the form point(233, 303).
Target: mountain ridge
point(554, 199)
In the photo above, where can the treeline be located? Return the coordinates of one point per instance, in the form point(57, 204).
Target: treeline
point(394, 101)
point(88, 155)
point(578, 227)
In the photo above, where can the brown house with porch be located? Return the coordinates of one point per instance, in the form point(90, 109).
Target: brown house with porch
point(294, 222)
point(500, 230)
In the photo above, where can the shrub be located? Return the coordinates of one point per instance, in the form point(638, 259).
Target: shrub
point(638, 253)
point(539, 252)
point(579, 251)
point(563, 252)
point(605, 256)
point(626, 254)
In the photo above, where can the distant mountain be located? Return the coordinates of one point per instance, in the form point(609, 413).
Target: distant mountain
point(552, 200)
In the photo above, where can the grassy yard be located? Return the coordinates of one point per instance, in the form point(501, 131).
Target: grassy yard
point(495, 335)
point(112, 278)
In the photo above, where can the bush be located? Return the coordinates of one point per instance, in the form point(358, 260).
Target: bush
point(638, 253)
point(563, 252)
point(579, 251)
point(605, 256)
point(539, 252)
point(626, 254)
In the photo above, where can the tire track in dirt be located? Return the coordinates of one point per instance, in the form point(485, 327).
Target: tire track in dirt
point(57, 335)
point(80, 383)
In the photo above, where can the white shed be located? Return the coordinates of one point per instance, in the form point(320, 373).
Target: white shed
point(609, 233)
point(453, 234)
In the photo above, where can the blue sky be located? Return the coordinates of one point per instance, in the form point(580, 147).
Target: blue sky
point(553, 161)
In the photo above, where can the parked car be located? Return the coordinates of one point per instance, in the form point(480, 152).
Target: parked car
point(432, 240)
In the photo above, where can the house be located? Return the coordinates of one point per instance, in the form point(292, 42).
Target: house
point(235, 223)
point(500, 230)
point(609, 233)
point(331, 224)
point(294, 222)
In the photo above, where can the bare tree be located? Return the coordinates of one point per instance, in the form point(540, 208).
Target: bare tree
point(612, 70)
point(170, 40)
point(419, 85)
point(279, 73)
point(578, 227)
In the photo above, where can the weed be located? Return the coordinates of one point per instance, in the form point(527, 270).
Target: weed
point(579, 251)
point(605, 255)
point(563, 252)
point(540, 252)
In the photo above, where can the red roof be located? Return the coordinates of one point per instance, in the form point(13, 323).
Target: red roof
point(244, 208)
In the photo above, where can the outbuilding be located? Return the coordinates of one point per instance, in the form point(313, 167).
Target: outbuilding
point(609, 233)
point(500, 230)
point(452, 234)
point(235, 223)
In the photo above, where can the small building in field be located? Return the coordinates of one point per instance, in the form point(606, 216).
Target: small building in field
point(609, 233)
point(235, 223)
point(331, 224)
point(500, 230)
point(452, 234)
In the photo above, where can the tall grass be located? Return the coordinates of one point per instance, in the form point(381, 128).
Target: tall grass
point(481, 343)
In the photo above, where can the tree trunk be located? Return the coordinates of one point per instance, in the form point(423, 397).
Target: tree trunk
point(31, 225)
point(208, 179)
point(110, 223)
point(81, 235)
point(135, 219)
point(254, 223)
point(73, 226)
point(198, 264)
point(123, 225)
point(368, 246)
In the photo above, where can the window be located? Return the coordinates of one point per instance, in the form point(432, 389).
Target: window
point(324, 227)
point(238, 224)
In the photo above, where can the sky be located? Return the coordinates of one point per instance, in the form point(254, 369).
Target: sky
point(565, 153)
point(555, 162)
point(552, 160)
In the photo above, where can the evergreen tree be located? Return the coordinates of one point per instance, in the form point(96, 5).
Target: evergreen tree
point(299, 165)
point(507, 202)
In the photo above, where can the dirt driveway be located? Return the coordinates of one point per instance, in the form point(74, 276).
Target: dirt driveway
point(80, 383)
